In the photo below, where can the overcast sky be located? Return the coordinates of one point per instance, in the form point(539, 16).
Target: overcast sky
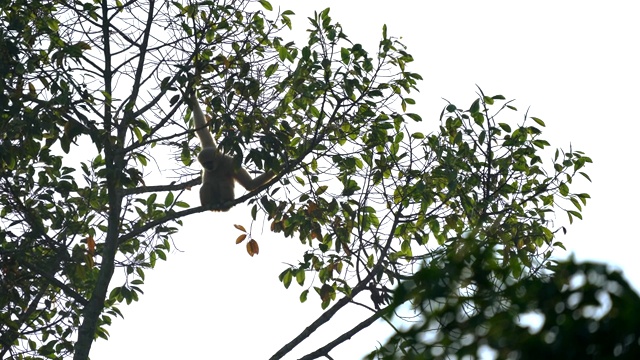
point(574, 63)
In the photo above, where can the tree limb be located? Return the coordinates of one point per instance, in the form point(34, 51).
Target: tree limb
point(324, 351)
point(326, 316)
point(156, 188)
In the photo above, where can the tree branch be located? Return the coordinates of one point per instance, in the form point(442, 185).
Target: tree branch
point(324, 351)
point(66, 289)
point(326, 316)
point(155, 188)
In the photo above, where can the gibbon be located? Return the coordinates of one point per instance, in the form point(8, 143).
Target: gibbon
point(219, 171)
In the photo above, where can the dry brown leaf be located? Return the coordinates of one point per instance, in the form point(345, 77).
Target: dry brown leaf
point(91, 245)
point(239, 227)
point(252, 247)
point(241, 238)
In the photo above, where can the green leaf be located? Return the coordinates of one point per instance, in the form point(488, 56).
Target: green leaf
point(300, 275)
point(414, 117)
point(564, 189)
point(303, 296)
point(505, 127)
point(271, 70)
point(576, 203)
point(187, 29)
point(575, 213)
point(52, 24)
point(152, 199)
point(475, 107)
point(161, 254)
point(283, 53)
point(210, 35)
point(488, 100)
point(168, 200)
point(345, 55)
point(560, 245)
point(541, 143)
point(286, 279)
point(538, 121)
point(266, 5)
point(585, 175)
point(325, 304)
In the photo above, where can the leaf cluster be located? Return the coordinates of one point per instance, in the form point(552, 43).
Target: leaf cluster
point(575, 311)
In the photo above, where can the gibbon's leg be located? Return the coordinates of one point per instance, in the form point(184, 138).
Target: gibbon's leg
point(216, 189)
point(217, 180)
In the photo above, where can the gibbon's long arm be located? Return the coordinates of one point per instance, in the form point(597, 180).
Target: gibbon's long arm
point(202, 130)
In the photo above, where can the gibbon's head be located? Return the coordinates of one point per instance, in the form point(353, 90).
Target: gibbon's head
point(210, 158)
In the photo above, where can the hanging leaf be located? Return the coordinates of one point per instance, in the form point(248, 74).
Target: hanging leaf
point(241, 238)
point(252, 248)
point(91, 245)
point(303, 296)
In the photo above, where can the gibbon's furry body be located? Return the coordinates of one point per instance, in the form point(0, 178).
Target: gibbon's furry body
point(219, 172)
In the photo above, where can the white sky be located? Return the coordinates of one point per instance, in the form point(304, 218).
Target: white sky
point(575, 63)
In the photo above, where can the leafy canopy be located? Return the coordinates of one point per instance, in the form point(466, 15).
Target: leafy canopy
point(91, 107)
